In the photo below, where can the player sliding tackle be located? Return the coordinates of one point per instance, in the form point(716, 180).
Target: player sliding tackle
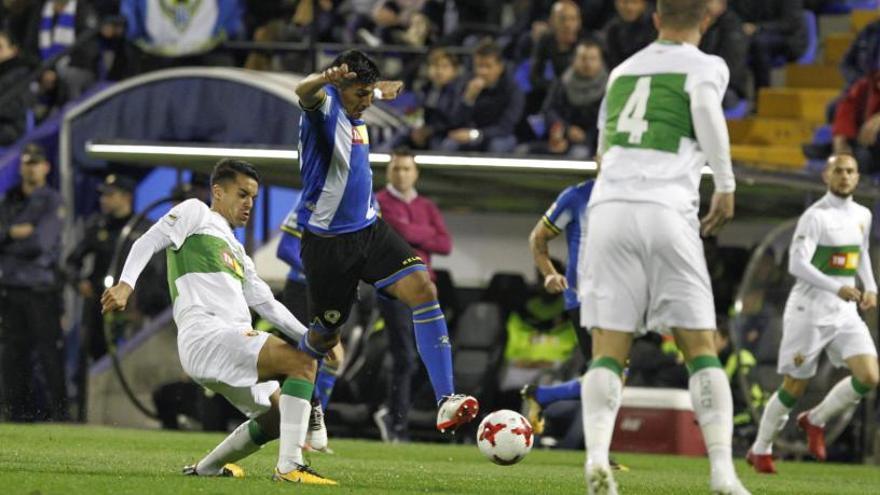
point(213, 282)
point(830, 247)
point(661, 121)
point(343, 239)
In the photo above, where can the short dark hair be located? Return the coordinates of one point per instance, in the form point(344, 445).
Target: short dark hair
point(488, 48)
point(681, 14)
point(591, 43)
point(439, 53)
point(358, 62)
point(228, 168)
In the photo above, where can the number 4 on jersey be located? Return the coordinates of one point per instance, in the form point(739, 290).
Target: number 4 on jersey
point(632, 118)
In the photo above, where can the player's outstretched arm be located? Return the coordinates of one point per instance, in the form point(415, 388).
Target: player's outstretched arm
point(311, 89)
point(281, 318)
point(115, 298)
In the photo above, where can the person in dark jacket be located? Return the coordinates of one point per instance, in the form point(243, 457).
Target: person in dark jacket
point(571, 109)
point(556, 46)
point(856, 125)
point(725, 38)
point(490, 108)
point(775, 28)
point(13, 68)
point(438, 97)
point(862, 57)
point(30, 298)
point(630, 31)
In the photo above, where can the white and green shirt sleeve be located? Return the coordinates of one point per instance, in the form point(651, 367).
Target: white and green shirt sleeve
point(865, 272)
point(816, 264)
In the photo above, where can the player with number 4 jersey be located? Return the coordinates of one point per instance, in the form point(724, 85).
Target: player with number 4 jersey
point(642, 265)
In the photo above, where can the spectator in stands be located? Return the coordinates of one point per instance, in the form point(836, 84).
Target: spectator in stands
point(725, 38)
point(186, 36)
point(418, 220)
point(595, 14)
point(53, 26)
point(13, 111)
point(556, 46)
point(863, 55)
point(571, 109)
point(30, 297)
point(630, 31)
point(856, 126)
point(438, 98)
point(775, 29)
point(490, 108)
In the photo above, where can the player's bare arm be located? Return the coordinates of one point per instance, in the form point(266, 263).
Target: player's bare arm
point(311, 89)
point(720, 212)
point(539, 239)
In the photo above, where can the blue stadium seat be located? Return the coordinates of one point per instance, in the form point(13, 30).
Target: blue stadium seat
point(521, 74)
point(809, 55)
point(740, 111)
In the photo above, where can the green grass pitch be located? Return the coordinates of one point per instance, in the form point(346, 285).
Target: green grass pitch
point(52, 459)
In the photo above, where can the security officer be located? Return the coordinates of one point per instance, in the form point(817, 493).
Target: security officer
point(30, 296)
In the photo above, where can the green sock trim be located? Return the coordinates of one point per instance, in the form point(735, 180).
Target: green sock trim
point(702, 362)
point(859, 387)
point(608, 363)
point(786, 398)
point(258, 436)
point(298, 388)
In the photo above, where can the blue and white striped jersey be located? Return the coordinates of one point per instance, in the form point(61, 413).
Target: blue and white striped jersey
point(334, 162)
point(568, 213)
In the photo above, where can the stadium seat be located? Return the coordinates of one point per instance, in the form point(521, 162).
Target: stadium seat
point(739, 111)
point(478, 350)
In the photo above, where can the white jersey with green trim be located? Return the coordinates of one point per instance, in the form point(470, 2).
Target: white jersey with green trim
point(209, 273)
point(828, 249)
point(648, 141)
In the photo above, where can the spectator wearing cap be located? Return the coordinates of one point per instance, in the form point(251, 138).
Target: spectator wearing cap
point(490, 106)
point(630, 31)
point(30, 297)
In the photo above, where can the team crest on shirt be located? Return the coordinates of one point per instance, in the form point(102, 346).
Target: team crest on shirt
point(233, 264)
point(359, 135)
point(799, 359)
point(251, 333)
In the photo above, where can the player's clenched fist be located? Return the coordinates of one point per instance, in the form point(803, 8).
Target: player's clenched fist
point(849, 294)
point(555, 283)
point(336, 75)
point(115, 298)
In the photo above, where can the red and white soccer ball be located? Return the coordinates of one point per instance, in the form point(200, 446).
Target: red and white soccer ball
point(505, 437)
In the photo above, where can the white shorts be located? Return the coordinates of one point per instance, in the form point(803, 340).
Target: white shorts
point(803, 341)
point(224, 360)
point(643, 266)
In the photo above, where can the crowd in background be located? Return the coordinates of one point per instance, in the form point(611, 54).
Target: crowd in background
point(544, 63)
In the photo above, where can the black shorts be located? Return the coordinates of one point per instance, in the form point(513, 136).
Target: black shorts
point(334, 265)
point(585, 342)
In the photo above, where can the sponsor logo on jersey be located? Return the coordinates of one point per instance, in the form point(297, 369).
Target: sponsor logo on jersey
point(171, 219)
point(359, 135)
point(412, 259)
point(233, 264)
point(846, 261)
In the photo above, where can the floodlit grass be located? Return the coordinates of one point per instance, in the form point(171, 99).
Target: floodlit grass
point(53, 459)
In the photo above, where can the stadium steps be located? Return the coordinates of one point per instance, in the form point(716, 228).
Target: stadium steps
point(835, 45)
point(776, 157)
point(813, 76)
point(861, 18)
point(769, 131)
point(807, 104)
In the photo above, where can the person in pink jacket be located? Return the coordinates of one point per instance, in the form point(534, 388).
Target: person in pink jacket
point(418, 220)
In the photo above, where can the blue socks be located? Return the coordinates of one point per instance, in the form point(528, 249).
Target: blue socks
point(548, 394)
point(324, 382)
point(432, 341)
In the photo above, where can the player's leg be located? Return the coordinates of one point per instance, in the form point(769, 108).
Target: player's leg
point(842, 398)
point(712, 401)
point(280, 360)
point(393, 267)
point(773, 420)
point(248, 437)
point(538, 397)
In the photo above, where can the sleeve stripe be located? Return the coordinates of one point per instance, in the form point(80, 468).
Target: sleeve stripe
point(549, 224)
point(293, 232)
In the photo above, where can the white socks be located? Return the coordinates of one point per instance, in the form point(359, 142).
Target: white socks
point(600, 398)
point(293, 429)
point(772, 421)
point(238, 445)
point(713, 407)
point(842, 397)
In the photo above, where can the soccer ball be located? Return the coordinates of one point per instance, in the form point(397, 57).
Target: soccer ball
point(505, 437)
